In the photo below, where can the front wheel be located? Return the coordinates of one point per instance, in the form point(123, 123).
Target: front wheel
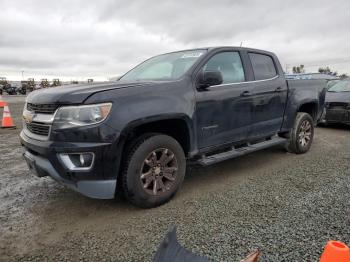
point(154, 170)
point(302, 134)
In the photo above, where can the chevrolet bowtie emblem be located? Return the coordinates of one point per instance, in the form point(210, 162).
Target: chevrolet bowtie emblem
point(28, 116)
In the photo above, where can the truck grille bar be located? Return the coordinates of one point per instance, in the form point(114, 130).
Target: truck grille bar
point(38, 129)
point(42, 108)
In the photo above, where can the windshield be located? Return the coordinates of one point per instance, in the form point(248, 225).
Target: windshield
point(342, 86)
point(331, 83)
point(164, 67)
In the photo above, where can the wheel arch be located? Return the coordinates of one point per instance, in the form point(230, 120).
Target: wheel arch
point(310, 107)
point(177, 126)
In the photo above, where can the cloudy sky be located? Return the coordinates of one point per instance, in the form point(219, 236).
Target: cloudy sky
point(79, 39)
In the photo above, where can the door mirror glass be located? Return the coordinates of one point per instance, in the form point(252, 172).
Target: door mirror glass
point(209, 78)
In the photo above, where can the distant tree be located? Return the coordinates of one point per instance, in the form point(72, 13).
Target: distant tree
point(342, 76)
point(298, 69)
point(327, 70)
point(321, 70)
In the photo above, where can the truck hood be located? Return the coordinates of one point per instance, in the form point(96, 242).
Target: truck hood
point(75, 94)
point(343, 97)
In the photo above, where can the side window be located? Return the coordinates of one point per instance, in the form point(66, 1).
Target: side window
point(263, 66)
point(230, 66)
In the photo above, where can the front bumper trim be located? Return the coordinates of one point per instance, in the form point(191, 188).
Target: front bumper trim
point(100, 189)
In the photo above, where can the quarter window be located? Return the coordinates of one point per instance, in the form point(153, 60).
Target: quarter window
point(263, 66)
point(230, 66)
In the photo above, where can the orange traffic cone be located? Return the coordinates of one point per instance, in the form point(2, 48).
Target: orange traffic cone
point(2, 102)
point(335, 251)
point(7, 121)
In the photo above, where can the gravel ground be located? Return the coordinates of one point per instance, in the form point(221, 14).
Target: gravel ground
point(288, 206)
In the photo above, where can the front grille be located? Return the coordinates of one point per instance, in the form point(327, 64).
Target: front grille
point(337, 105)
point(38, 129)
point(337, 115)
point(42, 108)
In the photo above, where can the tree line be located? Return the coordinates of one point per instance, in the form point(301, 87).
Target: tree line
point(323, 70)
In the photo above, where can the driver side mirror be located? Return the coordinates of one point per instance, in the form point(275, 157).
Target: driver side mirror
point(209, 78)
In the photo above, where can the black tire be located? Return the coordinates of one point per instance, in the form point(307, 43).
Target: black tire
point(298, 142)
point(144, 157)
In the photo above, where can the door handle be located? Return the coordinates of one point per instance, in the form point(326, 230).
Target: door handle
point(245, 93)
point(278, 89)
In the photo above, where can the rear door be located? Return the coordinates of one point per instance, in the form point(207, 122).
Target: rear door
point(269, 95)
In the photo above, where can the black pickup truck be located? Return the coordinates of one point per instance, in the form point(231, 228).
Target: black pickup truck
point(137, 134)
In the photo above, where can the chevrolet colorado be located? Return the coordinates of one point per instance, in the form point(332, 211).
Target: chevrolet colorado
point(135, 135)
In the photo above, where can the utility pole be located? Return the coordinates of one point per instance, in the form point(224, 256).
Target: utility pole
point(22, 74)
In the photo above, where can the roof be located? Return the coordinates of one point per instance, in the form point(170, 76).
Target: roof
point(210, 48)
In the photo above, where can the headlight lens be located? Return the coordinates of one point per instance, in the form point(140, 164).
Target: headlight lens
point(73, 116)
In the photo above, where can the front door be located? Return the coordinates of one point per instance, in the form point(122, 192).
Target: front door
point(224, 112)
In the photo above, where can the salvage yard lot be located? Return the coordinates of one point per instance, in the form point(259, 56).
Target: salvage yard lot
point(288, 206)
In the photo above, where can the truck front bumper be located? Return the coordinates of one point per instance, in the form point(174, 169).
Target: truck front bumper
point(336, 116)
point(42, 160)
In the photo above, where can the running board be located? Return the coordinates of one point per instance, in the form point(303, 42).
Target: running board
point(235, 152)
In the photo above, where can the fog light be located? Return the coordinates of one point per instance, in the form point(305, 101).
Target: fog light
point(85, 159)
point(77, 161)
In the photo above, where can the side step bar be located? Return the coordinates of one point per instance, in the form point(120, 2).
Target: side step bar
point(235, 152)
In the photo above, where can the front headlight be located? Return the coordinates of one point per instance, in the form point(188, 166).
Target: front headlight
point(74, 116)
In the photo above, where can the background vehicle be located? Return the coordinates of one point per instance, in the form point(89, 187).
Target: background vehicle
point(337, 108)
point(136, 135)
point(44, 83)
point(22, 89)
point(28, 85)
point(3, 82)
point(10, 89)
point(6, 86)
point(17, 88)
point(56, 82)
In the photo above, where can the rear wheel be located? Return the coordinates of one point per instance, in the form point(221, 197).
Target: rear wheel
point(302, 134)
point(154, 170)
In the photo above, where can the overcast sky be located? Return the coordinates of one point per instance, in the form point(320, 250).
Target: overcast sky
point(85, 38)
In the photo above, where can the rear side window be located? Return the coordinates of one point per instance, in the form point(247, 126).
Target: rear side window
point(263, 66)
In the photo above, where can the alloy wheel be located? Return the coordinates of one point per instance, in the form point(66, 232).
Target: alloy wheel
point(305, 133)
point(158, 171)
